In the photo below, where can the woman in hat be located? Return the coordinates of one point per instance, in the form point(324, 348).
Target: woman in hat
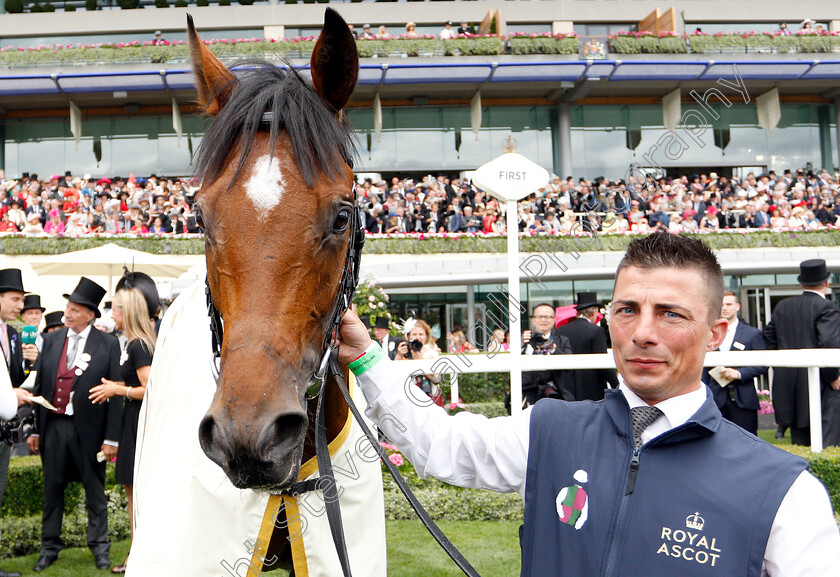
point(132, 316)
point(33, 224)
point(411, 30)
point(54, 225)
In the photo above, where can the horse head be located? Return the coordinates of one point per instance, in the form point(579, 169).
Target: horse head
point(276, 204)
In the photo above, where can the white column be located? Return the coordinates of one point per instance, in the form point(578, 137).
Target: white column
point(564, 132)
point(471, 332)
point(815, 408)
point(513, 307)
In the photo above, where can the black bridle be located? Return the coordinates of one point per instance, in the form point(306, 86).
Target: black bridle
point(329, 367)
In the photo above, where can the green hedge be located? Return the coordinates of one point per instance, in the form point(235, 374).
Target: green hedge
point(825, 466)
point(448, 502)
point(20, 515)
point(646, 43)
point(543, 45)
point(25, 489)
point(130, 53)
point(482, 387)
point(20, 245)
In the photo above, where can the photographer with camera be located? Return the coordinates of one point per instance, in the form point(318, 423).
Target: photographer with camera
point(419, 344)
point(540, 341)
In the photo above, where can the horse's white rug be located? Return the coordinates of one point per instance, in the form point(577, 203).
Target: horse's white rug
point(191, 521)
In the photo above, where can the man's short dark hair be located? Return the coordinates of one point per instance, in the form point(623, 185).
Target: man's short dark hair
point(534, 310)
point(665, 250)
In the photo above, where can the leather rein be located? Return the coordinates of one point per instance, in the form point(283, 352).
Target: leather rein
point(329, 367)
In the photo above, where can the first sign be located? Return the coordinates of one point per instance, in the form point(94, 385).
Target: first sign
point(511, 176)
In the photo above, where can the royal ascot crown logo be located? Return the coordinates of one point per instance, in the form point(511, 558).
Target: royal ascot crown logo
point(694, 522)
point(689, 544)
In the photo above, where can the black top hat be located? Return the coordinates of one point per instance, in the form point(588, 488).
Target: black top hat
point(87, 293)
point(381, 323)
point(25, 175)
point(812, 272)
point(365, 321)
point(587, 299)
point(32, 302)
point(11, 280)
point(53, 319)
point(68, 173)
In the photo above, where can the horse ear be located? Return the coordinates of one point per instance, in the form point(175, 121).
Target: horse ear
point(212, 78)
point(335, 61)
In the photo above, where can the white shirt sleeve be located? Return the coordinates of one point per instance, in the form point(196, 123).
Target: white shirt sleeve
point(804, 540)
point(467, 450)
point(8, 398)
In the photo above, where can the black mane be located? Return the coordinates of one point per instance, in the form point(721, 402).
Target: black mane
point(321, 141)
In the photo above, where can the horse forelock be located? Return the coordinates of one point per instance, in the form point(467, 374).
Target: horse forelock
point(321, 142)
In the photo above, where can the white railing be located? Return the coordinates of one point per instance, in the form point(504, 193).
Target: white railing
point(811, 359)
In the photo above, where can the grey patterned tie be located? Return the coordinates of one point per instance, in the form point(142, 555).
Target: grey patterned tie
point(71, 350)
point(643, 417)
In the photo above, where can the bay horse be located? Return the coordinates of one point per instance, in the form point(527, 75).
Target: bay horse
point(276, 203)
point(278, 209)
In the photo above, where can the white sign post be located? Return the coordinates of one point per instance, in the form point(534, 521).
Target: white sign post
point(509, 178)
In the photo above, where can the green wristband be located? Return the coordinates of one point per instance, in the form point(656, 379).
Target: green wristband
point(372, 355)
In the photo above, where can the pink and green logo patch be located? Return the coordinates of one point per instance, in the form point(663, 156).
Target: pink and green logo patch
point(573, 502)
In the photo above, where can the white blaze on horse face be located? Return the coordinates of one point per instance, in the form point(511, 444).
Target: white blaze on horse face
point(266, 186)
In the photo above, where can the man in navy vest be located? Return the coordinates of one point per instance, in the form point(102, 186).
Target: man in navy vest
point(650, 481)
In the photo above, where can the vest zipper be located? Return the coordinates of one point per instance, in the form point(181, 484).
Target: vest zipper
point(622, 512)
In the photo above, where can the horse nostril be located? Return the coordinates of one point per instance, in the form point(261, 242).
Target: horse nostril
point(207, 431)
point(281, 435)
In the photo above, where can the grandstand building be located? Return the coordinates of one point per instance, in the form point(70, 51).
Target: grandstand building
point(587, 88)
point(676, 101)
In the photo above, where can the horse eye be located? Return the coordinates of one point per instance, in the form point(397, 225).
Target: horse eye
point(342, 219)
point(198, 220)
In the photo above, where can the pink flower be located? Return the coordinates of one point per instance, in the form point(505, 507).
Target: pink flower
point(396, 459)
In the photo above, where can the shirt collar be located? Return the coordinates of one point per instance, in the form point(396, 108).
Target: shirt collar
point(84, 334)
point(732, 326)
point(815, 292)
point(676, 409)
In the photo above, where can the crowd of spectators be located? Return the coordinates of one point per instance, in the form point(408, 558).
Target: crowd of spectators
point(794, 200)
point(381, 33)
point(800, 200)
point(73, 206)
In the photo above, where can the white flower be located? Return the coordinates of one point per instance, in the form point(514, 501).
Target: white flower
point(371, 298)
point(381, 305)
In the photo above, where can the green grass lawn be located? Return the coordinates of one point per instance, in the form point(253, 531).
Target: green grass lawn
point(491, 546)
point(769, 436)
point(71, 562)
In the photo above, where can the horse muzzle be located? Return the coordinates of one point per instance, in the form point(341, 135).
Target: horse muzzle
point(265, 454)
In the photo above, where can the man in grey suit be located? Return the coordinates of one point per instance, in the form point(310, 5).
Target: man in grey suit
point(807, 321)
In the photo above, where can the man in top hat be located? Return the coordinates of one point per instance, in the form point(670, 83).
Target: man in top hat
point(74, 360)
point(587, 337)
point(807, 321)
point(32, 314)
point(11, 305)
point(389, 343)
point(52, 322)
point(447, 33)
point(11, 348)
